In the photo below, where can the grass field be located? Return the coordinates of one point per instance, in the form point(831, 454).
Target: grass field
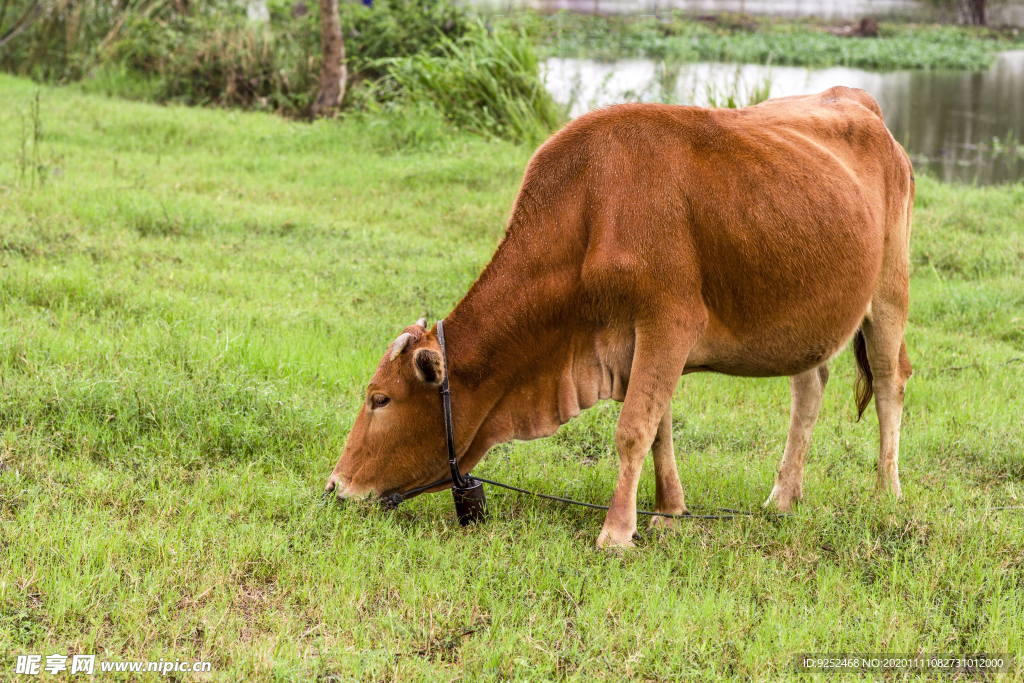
point(192, 302)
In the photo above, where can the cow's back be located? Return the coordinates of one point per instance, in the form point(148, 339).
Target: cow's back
point(774, 216)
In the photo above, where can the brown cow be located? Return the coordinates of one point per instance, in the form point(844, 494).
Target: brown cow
point(649, 241)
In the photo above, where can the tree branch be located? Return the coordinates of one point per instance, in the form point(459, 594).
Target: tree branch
point(3, 13)
point(35, 9)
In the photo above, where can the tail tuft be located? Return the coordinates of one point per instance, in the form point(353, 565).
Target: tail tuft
point(863, 390)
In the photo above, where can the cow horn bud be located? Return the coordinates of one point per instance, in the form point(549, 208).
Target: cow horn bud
point(422, 322)
point(399, 345)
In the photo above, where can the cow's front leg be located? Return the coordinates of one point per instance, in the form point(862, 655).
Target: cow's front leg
point(806, 390)
point(668, 492)
point(658, 360)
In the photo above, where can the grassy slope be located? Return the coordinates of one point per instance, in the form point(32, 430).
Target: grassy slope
point(191, 306)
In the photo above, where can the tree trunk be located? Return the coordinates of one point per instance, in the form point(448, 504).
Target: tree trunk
point(332, 72)
point(976, 12)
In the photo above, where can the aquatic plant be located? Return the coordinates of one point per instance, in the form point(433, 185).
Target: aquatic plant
point(899, 46)
point(735, 93)
point(1010, 146)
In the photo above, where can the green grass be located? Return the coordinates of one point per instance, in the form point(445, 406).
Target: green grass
point(191, 304)
point(744, 39)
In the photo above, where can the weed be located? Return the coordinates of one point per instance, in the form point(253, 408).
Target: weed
point(32, 172)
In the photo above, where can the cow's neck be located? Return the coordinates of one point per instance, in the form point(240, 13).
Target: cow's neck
point(521, 359)
point(484, 336)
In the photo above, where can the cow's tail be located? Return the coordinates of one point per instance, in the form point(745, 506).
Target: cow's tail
point(863, 390)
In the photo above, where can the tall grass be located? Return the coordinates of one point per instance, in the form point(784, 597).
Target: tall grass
point(487, 82)
point(735, 93)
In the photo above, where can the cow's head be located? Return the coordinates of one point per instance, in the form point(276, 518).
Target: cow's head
point(397, 442)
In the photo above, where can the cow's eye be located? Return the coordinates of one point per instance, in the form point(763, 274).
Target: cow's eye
point(379, 401)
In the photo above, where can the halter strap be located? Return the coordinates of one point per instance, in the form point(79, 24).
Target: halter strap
point(446, 395)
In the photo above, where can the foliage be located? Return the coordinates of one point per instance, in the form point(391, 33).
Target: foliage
point(190, 310)
point(214, 54)
point(940, 47)
point(71, 36)
point(225, 60)
point(742, 39)
point(210, 52)
point(397, 28)
point(487, 82)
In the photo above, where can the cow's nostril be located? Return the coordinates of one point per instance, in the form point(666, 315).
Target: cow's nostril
point(344, 489)
point(338, 494)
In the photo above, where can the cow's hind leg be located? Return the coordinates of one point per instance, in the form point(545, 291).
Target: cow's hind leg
point(806, 390)
point(659, 356)
point(668, 492)
point(889, 371)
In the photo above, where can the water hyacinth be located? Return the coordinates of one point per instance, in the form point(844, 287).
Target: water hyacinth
point(945, 47)
point(899, 46)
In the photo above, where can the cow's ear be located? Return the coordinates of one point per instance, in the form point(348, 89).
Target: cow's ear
point(429, 366)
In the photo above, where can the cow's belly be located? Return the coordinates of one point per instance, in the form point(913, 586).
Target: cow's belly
point(792, 302)
point(798, 341)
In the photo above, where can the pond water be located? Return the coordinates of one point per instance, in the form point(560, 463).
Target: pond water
point(955, 125)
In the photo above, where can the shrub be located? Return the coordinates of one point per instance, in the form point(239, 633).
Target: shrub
point(231, 61)
point(210, 52)
point(228, 60)
point(487, 82)
point(396, 28)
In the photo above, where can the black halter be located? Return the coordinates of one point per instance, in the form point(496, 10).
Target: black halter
point(467, 491)
point(446, 396)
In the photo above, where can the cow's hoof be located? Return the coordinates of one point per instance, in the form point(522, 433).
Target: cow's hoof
point(607, 541)
point(665, 523)
point(884, 486)
point(782, 499)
